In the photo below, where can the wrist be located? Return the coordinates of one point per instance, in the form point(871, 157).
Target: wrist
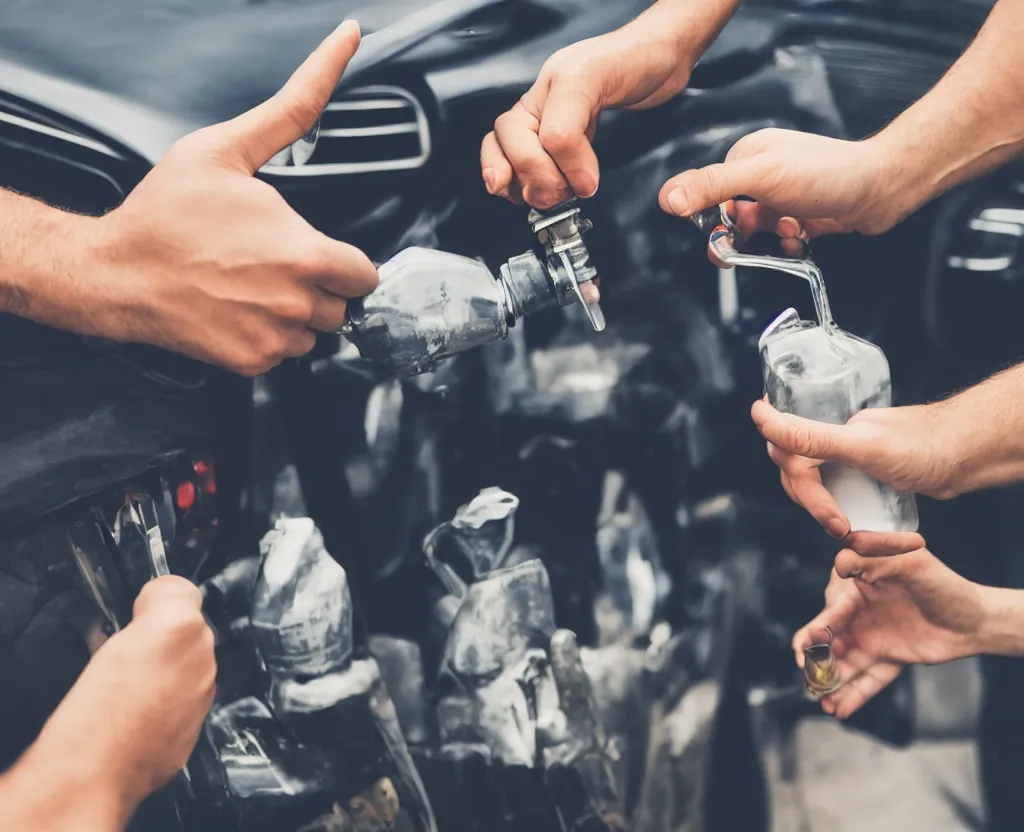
point(978, 433)
point(672, 35)
point(103, 299)
point(892, 190)
point(693, 25)
point(55, 269)
point(1001, 632)
point(948, 454)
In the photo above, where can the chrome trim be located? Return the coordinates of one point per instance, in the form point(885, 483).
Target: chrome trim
point(357, 132)
point(62, 135)
point(367, 104)
point(418, 124)
point(1011, 229)
point(1010, 215)
point(980, 264)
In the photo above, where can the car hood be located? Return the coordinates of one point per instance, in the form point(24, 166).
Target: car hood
point(193, 62)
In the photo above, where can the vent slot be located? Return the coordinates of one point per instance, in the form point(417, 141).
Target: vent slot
point(368, 130)
point(22, 123)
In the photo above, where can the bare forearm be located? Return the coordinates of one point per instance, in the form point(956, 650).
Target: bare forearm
point(692, 24)
point(971, 122)
point(984, 425)
point(44, 255)
point(660, 48)
point(51, 790)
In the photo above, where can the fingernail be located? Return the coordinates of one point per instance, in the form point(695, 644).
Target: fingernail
point(349, 24)
point(678, 203)
point(592, 192)
point(837, 528)
point(489, 180)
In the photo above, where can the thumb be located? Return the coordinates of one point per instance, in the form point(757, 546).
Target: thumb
point(805, 437)
point(164, 593)
point(695, 190)
point(257, 135)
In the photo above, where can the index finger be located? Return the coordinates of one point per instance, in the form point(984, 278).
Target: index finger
point(884, 544)
point(859, 685)
point(343, 270)
point(565, 127)
point(494, 167)
point(518, 135)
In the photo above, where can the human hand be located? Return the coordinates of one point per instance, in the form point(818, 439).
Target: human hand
point(803, 184)
point(909, 448)
point(540, 151)
point(133, 717)
point(887, 611)
point(206, 260)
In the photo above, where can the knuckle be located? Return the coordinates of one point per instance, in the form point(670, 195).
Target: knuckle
point(165, 588)
point(802, 438)
point(271, 348)
point(251, 368)
point(504, 121)
point(544, 198)
point(709, 179)
point(184, 625)
point(557, 139)
point(296, 307)
point(264, 352)
point(304, 343)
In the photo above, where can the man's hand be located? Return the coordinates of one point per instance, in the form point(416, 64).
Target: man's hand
point(890, 611)
point(157, 679)
point(540, 151)
point(909, 448)
point(971, 122)
point(202, 258)
point(129, 723)
point(803, 183)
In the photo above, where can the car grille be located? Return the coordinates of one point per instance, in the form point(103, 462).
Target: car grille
point(368, 130)
point(19, 123)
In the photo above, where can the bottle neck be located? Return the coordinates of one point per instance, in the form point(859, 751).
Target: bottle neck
point(526, 287)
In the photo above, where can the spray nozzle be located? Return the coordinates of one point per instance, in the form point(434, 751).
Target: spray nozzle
point(560, 233)
point(723, 237)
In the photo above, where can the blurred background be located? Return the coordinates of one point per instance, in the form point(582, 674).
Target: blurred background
point(630, 451)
